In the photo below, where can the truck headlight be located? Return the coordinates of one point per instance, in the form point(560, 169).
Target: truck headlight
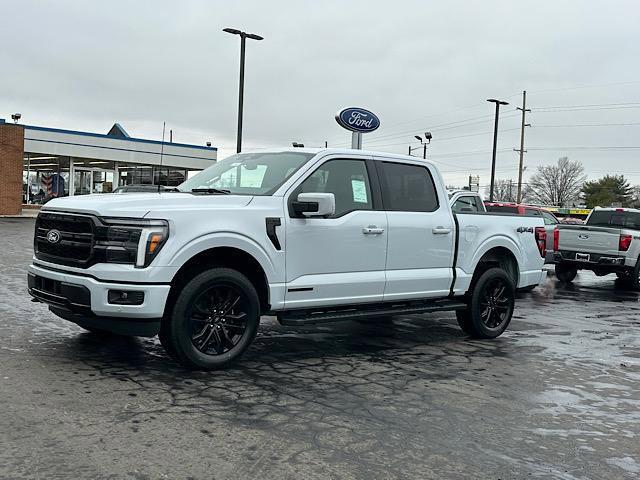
point(130, 241)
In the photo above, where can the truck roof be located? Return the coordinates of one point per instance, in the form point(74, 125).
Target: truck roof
point(347, 151)
point(617, 209)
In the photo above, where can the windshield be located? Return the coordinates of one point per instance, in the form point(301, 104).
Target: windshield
point(614, 218)
point(248, 173)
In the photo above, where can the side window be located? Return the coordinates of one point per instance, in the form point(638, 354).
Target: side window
point(465, 204)
point(549, 219)
point(408, 188)
point(346, 179)
point(532, 212)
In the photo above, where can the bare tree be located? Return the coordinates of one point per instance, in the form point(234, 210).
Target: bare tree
point(503, 191)
point(557, 185)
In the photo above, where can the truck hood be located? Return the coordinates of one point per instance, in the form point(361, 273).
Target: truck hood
point(137, 205)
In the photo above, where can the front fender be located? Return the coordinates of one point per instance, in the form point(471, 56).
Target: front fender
point(272, 270)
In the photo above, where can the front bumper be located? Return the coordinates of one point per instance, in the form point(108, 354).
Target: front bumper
point(84, 300)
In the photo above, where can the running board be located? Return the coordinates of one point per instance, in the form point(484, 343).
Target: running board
point(356, 312)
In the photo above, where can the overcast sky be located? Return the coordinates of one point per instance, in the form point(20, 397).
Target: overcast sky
point(420, 65)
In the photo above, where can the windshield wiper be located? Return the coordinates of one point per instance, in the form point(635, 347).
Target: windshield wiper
point(215, 191)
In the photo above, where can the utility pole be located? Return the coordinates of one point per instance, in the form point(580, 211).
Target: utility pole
point(495, 143)
point(524, 110)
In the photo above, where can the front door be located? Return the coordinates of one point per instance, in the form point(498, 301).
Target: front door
point(421, 232)
point(340, 259)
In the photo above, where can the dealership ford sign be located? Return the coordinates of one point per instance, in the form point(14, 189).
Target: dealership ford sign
point(358, 120)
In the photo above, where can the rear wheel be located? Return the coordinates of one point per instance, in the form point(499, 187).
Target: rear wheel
point(490, 306)
point(214, 320)
point(631, 278)
point(565, 273)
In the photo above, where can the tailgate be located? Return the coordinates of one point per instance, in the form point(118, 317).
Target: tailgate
point(600, 240)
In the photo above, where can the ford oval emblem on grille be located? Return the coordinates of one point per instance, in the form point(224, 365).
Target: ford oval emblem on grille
point(583, 236)
point(53, 236)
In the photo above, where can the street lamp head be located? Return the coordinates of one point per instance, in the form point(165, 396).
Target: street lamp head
point(232, 31)
point(253, 36)
point(428, 136)
point(499, 102)
point(298, 145)
point(419, 138)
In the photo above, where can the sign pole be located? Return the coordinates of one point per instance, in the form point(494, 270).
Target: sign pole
point(356, 140)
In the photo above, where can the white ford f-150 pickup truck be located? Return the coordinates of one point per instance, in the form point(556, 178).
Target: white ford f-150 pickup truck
point(608, 242)
point(306, 235)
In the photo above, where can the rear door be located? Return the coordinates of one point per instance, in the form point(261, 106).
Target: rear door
point(421, 231)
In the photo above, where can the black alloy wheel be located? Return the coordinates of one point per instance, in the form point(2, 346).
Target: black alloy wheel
point(213, 321)
point(495, 303)
point(490, 305)
point(218, 319)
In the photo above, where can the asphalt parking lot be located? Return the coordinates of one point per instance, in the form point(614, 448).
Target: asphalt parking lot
point(557, 396)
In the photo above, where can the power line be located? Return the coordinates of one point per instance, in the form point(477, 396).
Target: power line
point(607, 147)
point(585, 86)
point(588, 125)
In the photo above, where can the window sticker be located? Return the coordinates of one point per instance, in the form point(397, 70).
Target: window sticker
point(359, 191)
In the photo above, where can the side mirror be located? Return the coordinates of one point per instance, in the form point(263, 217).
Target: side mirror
point(315, 205)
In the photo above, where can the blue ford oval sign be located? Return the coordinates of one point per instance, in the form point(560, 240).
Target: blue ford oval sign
point(358, 119)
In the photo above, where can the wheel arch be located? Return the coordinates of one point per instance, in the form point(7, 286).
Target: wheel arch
point(222, 256)
point(501, 257)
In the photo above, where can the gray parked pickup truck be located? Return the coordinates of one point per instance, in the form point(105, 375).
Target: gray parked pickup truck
point(609, 242)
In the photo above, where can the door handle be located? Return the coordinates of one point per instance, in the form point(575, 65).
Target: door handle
point(372, 230)
point(440, 231)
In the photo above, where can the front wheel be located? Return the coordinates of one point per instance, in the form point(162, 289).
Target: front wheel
point(490, 306)
point(214, 320)
point(565, 273)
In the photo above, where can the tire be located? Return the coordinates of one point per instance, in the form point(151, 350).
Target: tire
point(490, 306)
point(565, 273)
point(213, 321)
point(631, 278)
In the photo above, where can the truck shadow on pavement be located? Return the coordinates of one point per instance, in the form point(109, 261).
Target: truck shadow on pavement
point(346, 342)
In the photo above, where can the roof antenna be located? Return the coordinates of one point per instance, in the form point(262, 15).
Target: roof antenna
point(164, 124)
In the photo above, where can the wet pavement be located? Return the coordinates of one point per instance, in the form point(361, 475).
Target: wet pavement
point(557, 396)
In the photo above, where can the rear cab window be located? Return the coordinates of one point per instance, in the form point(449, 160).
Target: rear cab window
point(502, 208)
point(614, 219)
point(532, 212)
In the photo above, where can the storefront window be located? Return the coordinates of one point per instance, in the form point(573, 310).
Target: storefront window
point(44, 177)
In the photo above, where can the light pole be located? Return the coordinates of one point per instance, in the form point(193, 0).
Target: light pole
point(424, 143)
point(495, 143)
point(243, 38)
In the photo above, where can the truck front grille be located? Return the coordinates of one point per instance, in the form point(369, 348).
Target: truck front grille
point(64, 239)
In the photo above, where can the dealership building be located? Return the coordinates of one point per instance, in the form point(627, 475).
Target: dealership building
point(40, 163)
